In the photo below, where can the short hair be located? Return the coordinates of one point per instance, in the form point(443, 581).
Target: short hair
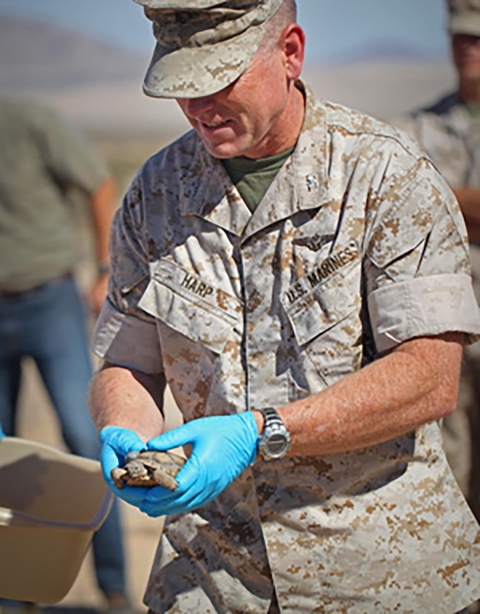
point(286, 14)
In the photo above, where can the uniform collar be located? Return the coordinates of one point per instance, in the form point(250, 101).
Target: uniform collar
point(208, 193)
point(456, 115)
point(301, 183)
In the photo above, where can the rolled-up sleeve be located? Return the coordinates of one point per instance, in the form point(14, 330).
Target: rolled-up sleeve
point(417, 266)
point(423, 306)
point(127, 341)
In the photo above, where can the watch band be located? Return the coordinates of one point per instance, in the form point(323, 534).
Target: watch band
point(272, 418)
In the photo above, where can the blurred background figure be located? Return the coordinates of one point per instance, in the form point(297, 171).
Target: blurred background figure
point(449, 131)
point(44, 162)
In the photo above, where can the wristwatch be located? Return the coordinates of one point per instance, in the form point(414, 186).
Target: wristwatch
point(275, 440)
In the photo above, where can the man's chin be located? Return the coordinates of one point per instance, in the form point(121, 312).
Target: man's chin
point(223, 151)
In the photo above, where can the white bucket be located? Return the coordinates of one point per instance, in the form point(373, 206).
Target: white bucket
point(50, 505)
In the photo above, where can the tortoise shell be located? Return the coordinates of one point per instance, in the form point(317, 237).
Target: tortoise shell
point(148, 468)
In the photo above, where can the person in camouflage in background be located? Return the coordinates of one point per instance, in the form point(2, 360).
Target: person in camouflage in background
point(298, 274)
point(449, 131)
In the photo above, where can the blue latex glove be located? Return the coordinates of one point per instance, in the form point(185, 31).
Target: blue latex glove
point(222, 447)
point(117, 442)
point(2, 434)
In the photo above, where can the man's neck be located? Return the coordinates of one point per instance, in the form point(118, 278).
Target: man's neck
point(287, 129)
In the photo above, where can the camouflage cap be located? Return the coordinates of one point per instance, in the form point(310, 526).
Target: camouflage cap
point(202, 45)
point(464, 17)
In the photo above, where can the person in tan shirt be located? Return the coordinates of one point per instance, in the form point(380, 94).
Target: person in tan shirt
point(43, 158)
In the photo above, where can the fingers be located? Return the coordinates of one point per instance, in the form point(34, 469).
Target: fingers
point(158, 504)
point(134, 495)
point(167, 503)
point(171, 439)
point(193, 490)
point(117, 442)
point(122, 440)
point(109, 461)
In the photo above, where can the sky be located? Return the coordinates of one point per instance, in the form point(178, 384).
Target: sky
point(333, 27)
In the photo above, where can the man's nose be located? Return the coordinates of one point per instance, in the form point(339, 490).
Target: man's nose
point(196, 107)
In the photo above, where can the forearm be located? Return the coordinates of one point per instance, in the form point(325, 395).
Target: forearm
point(102, 210)
point(415, 384)
point(127, 398)
point(102, 205)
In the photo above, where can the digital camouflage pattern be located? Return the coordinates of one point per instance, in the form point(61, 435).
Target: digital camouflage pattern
point(356, 246)
point(203, 45)
point(451, 137)
point(450, 134)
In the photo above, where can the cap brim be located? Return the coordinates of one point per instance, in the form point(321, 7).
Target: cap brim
point(466, 23)
point(192, 72)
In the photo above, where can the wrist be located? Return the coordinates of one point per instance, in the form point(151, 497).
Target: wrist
point(274, 440)
point(259, 419)
point(103, 267)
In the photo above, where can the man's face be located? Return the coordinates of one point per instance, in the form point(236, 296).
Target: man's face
point(466, 55)
point(250, 116)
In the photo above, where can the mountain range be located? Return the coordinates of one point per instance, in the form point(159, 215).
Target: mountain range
point(35, 54)
point(99, 84)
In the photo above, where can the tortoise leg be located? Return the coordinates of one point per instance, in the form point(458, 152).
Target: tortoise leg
point(165, 480)
point(117, 476)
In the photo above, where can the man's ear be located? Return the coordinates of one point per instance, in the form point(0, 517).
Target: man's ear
point(294, 50)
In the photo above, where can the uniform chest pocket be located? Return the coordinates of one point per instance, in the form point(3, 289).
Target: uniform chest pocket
point(189, 305)
point(326, 321)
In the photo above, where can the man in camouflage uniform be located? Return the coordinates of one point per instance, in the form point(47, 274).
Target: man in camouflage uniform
point(292, 254)
point(449, 131)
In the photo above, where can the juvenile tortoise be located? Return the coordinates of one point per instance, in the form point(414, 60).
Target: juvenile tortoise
point(148, 468)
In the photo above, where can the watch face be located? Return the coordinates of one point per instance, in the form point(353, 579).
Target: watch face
point(276, 444)
point(275, 441)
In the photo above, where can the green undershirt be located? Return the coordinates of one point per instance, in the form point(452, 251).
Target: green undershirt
point(252, 178)
point(474, 110)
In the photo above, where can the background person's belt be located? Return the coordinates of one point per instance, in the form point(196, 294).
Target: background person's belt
point(19, 294)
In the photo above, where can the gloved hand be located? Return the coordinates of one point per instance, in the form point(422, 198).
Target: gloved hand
point(117, 442)
point(222, 447)
point(2, 434)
